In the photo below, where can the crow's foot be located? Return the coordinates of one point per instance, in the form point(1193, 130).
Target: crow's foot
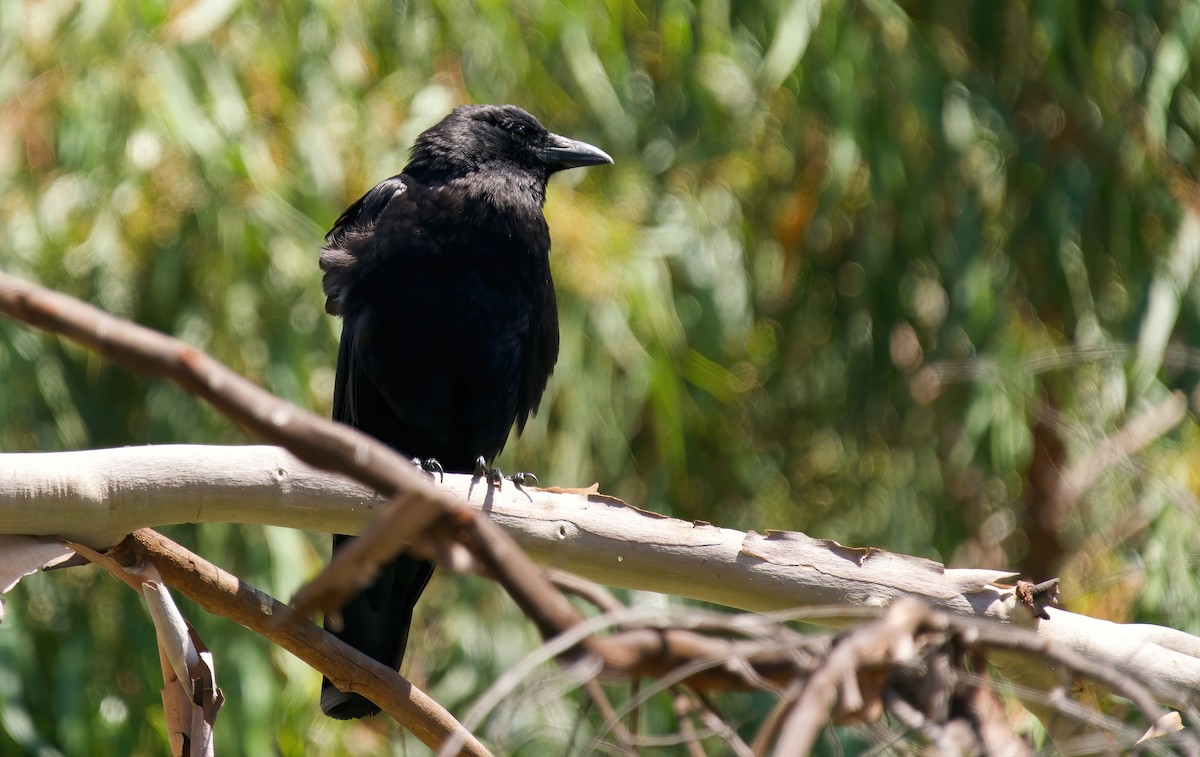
point(430, 465)
point(524, 478)
point(496, 477)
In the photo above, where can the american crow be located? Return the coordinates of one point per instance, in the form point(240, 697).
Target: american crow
point(450, 331)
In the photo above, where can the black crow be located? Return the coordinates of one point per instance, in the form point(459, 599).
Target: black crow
point(449, 326)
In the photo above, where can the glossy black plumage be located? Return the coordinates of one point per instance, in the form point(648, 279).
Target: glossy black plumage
point(450, 330)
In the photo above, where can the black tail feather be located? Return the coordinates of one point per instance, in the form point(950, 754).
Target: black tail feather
point(376, 623)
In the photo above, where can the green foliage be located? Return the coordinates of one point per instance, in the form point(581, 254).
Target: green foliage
point(850, 253)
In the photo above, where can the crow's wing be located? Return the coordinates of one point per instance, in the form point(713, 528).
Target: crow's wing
point(349, 251)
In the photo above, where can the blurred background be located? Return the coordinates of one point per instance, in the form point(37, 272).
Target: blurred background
point(912, 275)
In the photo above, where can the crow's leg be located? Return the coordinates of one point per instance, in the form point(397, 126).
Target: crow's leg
point(431, 466)
point(524, 478)
point(496, 477)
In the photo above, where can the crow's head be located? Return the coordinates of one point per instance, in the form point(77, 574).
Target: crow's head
point(484, 138)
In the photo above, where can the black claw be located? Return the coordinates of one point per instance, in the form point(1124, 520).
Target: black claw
point(524, 478)
point(494, 476)
point(431, 466)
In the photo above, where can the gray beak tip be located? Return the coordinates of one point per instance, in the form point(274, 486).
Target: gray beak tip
point(566, 153)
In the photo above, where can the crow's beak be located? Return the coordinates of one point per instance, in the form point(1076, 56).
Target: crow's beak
point(569, 153)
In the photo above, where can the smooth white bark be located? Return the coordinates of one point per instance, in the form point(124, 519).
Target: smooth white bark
point(96, 497)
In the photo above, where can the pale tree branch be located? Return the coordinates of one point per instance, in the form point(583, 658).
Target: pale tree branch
point(98, 495)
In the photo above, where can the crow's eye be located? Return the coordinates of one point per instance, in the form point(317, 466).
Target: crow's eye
point(517, 130)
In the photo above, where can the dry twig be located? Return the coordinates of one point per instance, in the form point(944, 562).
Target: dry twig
point(223, 594)
point(886, 641)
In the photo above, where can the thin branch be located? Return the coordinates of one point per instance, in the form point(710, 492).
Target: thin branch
point(683, 708)
point(703, 708)
point(589, 591)
point(404, 519)
point(1112, 679)
point(885, 641)
point(110, 565)
point(223, 594)
point(603, 706)
point(633, 706)
point(990, 727)
point(1049, 705)
point(1121, 445)
point(769, 730)
point(534, 594)
point(910, 716)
